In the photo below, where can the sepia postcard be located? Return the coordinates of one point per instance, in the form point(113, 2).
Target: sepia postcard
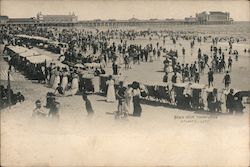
point(124, 83)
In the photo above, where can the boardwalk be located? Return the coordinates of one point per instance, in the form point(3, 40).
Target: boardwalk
point(14, 76)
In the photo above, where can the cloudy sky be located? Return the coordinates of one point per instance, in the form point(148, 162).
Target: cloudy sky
point(124, 9)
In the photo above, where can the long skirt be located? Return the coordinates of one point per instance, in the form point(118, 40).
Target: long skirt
point(52, 79)
point(137, 106)
point(56, 82)
point(129, 105)
point(111, 94)
point(74, 86)
point(64, 82)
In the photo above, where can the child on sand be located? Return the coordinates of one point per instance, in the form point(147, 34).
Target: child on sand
point(39, 111)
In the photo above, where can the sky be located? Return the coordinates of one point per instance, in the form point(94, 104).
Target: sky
point(124, 9)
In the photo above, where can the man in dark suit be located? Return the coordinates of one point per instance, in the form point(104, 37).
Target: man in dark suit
point(115, 68)
point(230, 101)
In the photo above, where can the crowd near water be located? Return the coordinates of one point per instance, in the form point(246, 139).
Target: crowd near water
point(85, 54)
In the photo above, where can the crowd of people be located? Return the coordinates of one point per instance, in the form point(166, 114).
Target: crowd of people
point(191, 72)
point(118, 49)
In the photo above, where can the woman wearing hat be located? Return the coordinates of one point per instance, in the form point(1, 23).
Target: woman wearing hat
point(111, 90)
point(64, 79)
point(57, 78)
point(75, 84)
point(128, 98)
point(52, 76)
point(136, 93)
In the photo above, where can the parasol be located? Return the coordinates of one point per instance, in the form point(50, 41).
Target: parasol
point(79, 65)
point(182, 85)
point(197, 86)
point(39, 59)
point(92, 64)
point(61, 65)
point(29, 53)
point(17, 49)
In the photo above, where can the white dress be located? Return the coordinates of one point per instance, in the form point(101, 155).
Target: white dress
point(103, 63)
point(121, 60)
point(52, 78)
point(129, 102)
point(111, 91)
point(75, 85)
point(179, 78)
point(64, 81)
point(57, 80)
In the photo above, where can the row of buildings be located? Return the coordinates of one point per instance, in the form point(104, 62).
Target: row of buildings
point(71, 19)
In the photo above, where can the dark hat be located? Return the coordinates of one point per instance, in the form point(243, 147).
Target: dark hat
point(135, 85)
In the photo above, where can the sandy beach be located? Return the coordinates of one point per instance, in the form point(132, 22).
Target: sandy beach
point(160, 136)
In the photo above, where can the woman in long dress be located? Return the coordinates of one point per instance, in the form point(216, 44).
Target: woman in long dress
point(103, 62)
point(179, 78)
point(52, 78)
point(128, 99)
point(65, 80)
point(111, 90)
point(136, 102)
point(75, 84)
point(57, 78)
point(121, 58)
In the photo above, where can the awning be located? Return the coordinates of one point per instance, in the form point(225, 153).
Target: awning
point(79, 65)
point(17, 49)
point(60, 64)
point(39, 59)
point(29, 53)
point(56, 43)
point(33, 37)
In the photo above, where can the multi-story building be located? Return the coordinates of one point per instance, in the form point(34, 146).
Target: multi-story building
point(213, 17)
point(218, 16)
point(71, 18)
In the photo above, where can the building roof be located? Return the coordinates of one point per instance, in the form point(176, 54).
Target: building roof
point(16, 20)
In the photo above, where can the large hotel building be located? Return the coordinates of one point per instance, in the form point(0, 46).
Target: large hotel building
point(70, 18)
point(213, 17)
